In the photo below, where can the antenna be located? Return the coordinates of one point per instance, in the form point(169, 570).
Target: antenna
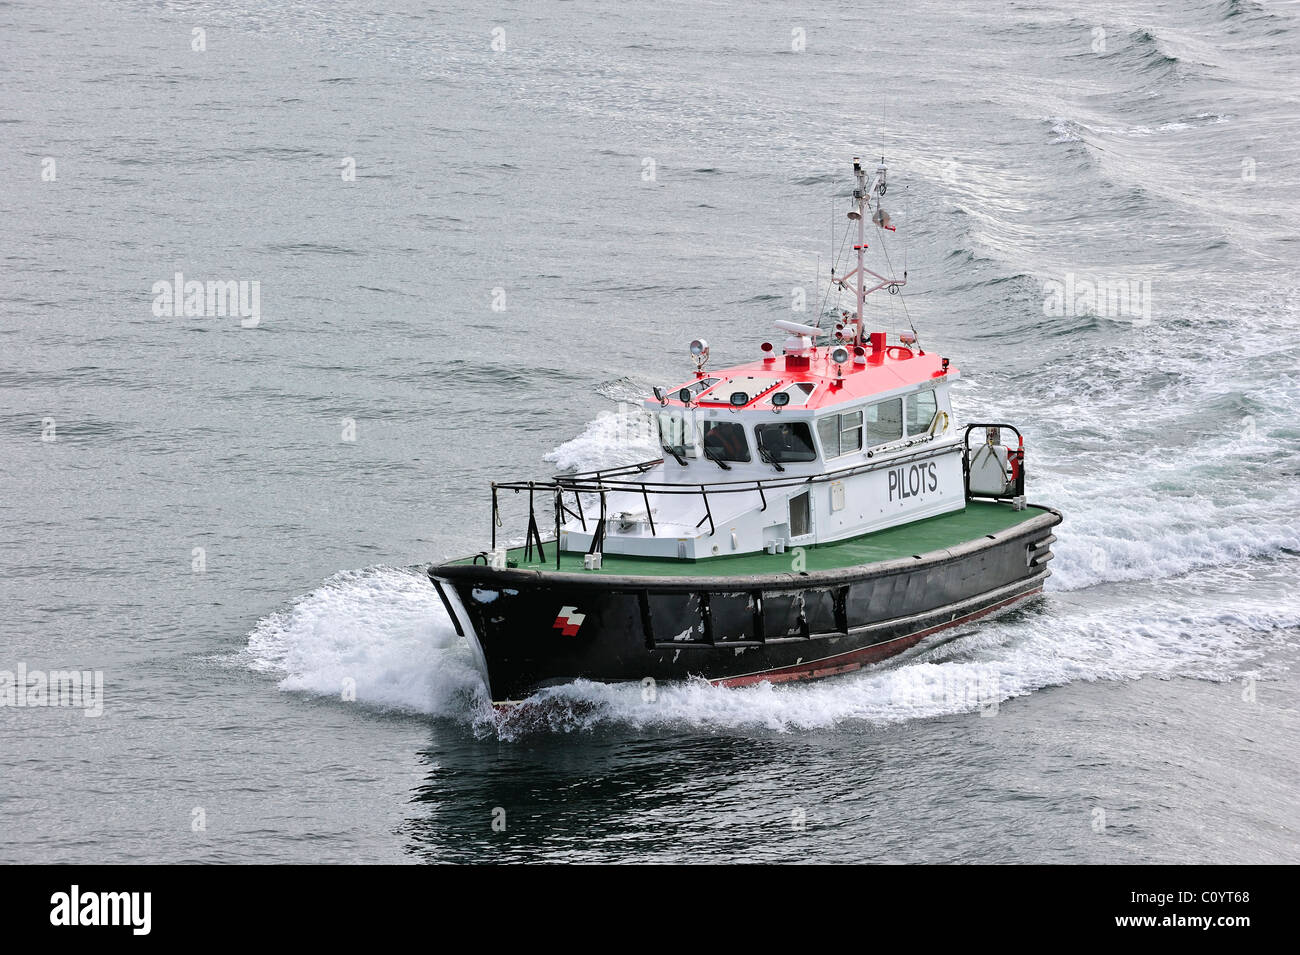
point(856, 280)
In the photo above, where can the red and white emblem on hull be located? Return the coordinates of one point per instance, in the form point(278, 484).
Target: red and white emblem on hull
point(569, 621)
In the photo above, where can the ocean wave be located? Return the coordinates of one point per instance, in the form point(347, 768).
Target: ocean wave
point(379, 636)
point(382, 635)
point(623, 436)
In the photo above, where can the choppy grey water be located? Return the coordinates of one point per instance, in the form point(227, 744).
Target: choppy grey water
point(630, 177)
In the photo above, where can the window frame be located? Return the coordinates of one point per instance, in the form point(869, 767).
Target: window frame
point(827, 452)
point(902, 424)
point(709, 423)
point(840, 431)
point(860, 428)
point(907, 421)
point(689, 430)
point(812, 443)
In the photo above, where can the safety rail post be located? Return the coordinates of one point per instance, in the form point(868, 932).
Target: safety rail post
point(645, 493)
point(577, 503)
point(558, 504)
point(598, 538)
point(965, 467)
point(577, 497)
point(534, 532)
point(528, 534)
point(496, 515)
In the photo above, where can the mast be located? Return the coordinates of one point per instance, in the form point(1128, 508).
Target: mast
point(856, 281)
point(861, 201)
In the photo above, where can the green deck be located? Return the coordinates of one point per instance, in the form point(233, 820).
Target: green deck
point(934, 533)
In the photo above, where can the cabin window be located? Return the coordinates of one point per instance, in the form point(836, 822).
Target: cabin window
point(840, 433)
point(725, 441)
point(828, 430)
point(676, 432)
point(851, 431)
point(884, 422)
point(921, 409)
point(800, 516)
point(789, 441)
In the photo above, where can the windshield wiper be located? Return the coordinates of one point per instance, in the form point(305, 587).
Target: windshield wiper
point(676, 454)
point(766, 457)
point(718, 461)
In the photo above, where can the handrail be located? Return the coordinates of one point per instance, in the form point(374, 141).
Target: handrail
point(585, 485)
point(579, 484)
point(1018, 455)
point(989, 424)
point(603, 474)
point(621, 469)
point(708, 512)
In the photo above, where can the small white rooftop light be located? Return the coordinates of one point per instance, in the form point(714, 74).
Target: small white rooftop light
point(840, 355)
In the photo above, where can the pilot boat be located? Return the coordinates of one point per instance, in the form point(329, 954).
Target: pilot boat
point(815, 511)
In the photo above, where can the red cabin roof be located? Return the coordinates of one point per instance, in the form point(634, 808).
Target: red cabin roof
point(886, 370)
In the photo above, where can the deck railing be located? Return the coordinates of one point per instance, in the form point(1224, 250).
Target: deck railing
point(1017, 455)
point(608, 481)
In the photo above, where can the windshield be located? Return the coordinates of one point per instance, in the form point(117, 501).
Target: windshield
point(725, 441)
point(786, 442)
point(674, 432)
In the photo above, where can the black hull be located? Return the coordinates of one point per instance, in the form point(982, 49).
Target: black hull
point(731, 630)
